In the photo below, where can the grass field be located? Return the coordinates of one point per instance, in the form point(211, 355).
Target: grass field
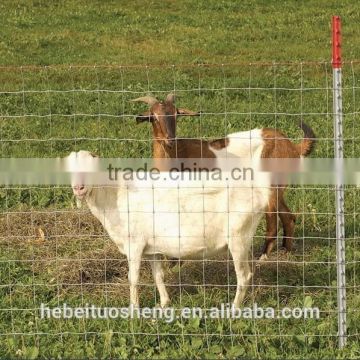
point(88, 108)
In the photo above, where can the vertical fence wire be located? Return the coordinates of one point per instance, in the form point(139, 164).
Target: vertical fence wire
point(273, 105)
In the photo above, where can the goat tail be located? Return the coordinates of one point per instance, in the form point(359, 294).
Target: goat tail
point(308, 143)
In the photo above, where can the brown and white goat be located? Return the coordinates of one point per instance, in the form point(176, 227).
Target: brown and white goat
point(163, 116)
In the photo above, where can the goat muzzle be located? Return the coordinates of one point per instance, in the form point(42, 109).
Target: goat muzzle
point(79, 191)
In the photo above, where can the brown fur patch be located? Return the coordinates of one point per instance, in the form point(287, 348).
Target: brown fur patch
point(183, 148)
point(219, 143)
point(277, 145)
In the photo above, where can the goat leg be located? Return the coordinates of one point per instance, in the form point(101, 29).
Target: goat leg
point(271, 232)
point(158, 275)
point(288, 222)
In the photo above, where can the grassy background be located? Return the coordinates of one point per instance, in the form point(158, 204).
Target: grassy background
point(89, 108)
point(172, 32)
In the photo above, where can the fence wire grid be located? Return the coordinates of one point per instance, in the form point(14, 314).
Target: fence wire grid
point(54, 253)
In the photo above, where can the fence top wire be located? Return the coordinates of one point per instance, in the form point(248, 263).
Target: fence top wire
point(195, 65)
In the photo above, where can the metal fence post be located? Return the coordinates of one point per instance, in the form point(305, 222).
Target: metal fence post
point(339, 189)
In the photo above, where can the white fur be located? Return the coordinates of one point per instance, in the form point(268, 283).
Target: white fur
point(182, 222)
point(242, 144)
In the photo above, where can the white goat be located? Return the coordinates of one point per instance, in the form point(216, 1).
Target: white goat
point(185, 223)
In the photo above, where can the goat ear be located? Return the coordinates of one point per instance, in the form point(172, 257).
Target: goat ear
point(145, 117)
point(186, 112)
point(170, 98)
point(150, 100)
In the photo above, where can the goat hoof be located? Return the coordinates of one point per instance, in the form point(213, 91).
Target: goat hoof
point(163, 305)
point(284, 251)
point(263, 257)
point(133, 307)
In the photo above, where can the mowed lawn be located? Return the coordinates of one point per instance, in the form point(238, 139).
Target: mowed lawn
point(66, 82)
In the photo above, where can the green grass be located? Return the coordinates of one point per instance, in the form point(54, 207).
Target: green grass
point(77, 263)
point(172, 32)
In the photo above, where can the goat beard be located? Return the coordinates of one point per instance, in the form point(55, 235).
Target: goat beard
point(166, 149)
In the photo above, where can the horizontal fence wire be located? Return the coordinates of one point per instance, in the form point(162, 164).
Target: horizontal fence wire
point(54, 253)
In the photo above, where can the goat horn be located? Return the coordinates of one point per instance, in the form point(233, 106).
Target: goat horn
point(170, 98)
point(151, 100)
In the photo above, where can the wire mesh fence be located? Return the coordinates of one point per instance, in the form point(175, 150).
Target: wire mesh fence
point(54, 253)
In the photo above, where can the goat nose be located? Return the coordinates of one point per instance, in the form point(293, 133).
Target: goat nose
point(79, 187)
